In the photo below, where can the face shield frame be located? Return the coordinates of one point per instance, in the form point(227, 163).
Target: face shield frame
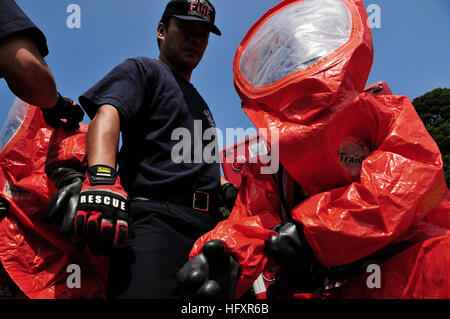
point(18, 120)
point(247, 91)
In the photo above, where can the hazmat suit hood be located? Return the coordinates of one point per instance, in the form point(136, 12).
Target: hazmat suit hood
point(299, 65)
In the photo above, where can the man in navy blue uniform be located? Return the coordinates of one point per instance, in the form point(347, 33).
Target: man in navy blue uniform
point(23, 47)
point(168, 205)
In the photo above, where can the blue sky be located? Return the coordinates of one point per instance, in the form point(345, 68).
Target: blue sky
point(412, 47)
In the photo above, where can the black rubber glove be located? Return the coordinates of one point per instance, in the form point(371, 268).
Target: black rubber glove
point(67, 109)
point(229, 194)
point(213, 274)
point(63, 205)
point(302, 271)
point(3, 208)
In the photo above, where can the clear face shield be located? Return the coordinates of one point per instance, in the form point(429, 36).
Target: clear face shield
point(16, 117)
point(302, 61)
point(295, 38)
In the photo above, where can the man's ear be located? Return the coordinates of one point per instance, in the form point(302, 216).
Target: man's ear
point(161, 31)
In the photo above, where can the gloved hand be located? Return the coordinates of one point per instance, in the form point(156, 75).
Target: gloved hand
point(229, 194)
point(302, 272)
point(213, 274)
point(3, 207)
point(102, 213)
point(63, 205)
point(67, 109)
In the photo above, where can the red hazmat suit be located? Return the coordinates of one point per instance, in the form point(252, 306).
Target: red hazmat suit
point(371, 170)
point(33, 252)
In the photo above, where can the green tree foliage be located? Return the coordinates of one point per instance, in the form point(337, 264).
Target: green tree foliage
point(434, 110)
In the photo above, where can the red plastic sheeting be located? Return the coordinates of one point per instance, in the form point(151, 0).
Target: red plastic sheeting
point(372, 171)
point(440, 216)
point(33, 252)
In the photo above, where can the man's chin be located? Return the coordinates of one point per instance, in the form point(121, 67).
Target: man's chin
point(189, 64)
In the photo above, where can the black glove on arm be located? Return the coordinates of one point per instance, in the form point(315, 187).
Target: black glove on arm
point(3, 207)
point(92, 209)
point(229, 194)
point(302, 271)
point(213, 274)
point(63, 205)
point(67, 109)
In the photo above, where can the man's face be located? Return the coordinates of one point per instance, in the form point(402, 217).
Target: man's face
point(183, 43)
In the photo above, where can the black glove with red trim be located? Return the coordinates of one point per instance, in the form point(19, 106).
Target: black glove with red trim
point(213, 274)
point(101, 220)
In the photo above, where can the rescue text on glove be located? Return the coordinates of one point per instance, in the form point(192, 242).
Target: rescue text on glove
point(105, 198)
point(102, 211)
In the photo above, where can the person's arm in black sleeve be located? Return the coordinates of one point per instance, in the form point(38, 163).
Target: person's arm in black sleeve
point(124, 87)
point(26, 73)
point(22, 50)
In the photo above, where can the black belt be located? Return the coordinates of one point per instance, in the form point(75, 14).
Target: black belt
point(198, 200)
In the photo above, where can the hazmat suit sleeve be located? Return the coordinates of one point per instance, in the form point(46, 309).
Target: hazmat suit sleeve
point(401, 181)
point(247, 229)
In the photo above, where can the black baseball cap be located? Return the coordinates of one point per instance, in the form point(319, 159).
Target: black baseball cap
point(194, 10)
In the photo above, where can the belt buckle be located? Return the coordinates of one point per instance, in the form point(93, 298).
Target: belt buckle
point(200, 197)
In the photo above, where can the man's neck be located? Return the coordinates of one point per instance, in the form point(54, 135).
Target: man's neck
point(184, 74)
